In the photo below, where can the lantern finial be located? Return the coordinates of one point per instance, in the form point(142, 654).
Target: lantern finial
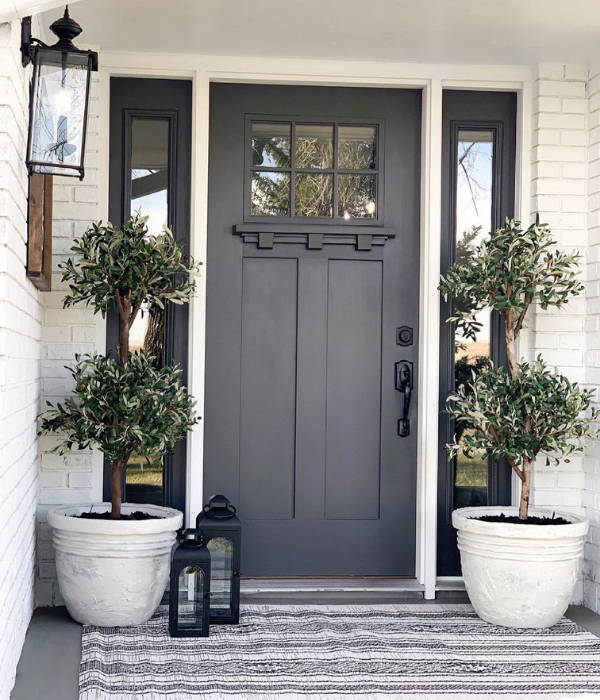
point(66, 29)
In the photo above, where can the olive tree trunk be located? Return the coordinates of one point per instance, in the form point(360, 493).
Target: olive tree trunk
point(525, 490)
point(512, 327)
point(118, 466)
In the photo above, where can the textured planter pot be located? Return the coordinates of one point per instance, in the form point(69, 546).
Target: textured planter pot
point(519, 575)
point(113, 573)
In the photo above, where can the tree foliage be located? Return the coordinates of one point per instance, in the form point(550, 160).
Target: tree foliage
point(516, 419)
point(506, 273)
point(114, 263)
point(132, 405)
point(122, 409)
point(525, 409)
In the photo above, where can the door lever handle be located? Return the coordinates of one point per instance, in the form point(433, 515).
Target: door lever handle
point(404, 384)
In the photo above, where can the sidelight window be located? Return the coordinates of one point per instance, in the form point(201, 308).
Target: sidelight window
point(474, 220)
point(307, 171)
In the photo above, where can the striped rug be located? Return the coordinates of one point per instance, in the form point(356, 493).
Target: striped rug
point(328, 652)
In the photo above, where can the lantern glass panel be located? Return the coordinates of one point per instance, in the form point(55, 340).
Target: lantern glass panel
point(58, 112)
point(190, 598)
point(221, 563)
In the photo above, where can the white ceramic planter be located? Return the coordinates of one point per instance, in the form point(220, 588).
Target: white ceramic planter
point(113, 573)
point(519, 575)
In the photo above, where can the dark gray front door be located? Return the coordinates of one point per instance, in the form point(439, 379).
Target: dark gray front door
point(313, 266)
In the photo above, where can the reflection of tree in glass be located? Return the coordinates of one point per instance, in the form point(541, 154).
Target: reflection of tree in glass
point(155, 333)
point(356, 196)
point(314, 152)
point(273, 151)
point(357, 154)
point(465, 245)
point(313, 192)
point(270, 194)
point(465, 365)
point(464, 369)
point(468, 165)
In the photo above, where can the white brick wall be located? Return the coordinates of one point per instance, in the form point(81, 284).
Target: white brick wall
point(75, 477)
point(559, 194)
point(591, 495)
point(20, 329)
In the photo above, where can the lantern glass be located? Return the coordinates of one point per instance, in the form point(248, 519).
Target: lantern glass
point(190, 598)
point(221, 530)
point(58, 112)
point(221, 570)
point(189, 591)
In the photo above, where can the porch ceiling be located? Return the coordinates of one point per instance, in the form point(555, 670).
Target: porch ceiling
point(433, 31)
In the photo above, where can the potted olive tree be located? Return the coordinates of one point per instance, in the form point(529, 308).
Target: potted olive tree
point(520, 564)
point(112, 560)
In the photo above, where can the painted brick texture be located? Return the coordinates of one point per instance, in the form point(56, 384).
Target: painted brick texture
point(21, 316)
point(559, 194)
point(75, 477)
point(591, 489)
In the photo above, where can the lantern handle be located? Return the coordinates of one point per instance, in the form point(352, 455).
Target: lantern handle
point(220, 508)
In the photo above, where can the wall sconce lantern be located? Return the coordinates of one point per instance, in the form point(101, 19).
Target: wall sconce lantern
point(58, 106)
point(221, 530)
point(189, 604)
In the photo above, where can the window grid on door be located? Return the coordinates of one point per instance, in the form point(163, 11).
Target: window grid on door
point(313, 171)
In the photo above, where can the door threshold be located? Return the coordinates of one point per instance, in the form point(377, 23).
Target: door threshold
point(334, 584)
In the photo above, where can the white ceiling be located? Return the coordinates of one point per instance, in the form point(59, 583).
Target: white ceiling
point(433, 31)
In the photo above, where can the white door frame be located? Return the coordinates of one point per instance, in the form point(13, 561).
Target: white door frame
point(432, 79)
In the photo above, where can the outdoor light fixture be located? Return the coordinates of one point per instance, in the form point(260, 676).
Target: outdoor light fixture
point(221, 530)
point(58, 105)
point(189, 590)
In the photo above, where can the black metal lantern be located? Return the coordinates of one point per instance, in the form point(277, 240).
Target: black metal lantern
point(58, 105)
point(221, 530)
point(189, 592)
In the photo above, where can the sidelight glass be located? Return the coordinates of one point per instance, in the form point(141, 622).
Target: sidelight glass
point(474, 192)
point(149, 194)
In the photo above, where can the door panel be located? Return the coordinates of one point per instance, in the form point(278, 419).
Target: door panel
point(353, 380)
point(267, 431)
point(312, 265)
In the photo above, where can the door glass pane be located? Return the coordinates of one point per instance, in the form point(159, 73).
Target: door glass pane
point(271, 144)
point(270, 194)
point(357, 147)
point(189, 598)
point(357, 197)
point(474, 177)
point(149, 181)
point(314, 146)
point(314, 194)
point(221, 568)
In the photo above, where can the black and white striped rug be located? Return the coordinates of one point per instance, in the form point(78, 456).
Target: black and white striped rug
point(327, 652)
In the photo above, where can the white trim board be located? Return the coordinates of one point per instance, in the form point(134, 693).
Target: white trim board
point(432, 79)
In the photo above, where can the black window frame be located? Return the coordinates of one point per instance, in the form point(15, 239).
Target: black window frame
point(498, 115)
point(129, 100)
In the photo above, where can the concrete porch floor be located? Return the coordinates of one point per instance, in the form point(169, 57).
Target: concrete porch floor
point(49, 664)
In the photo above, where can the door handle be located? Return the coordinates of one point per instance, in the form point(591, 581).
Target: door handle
point(404, 384)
